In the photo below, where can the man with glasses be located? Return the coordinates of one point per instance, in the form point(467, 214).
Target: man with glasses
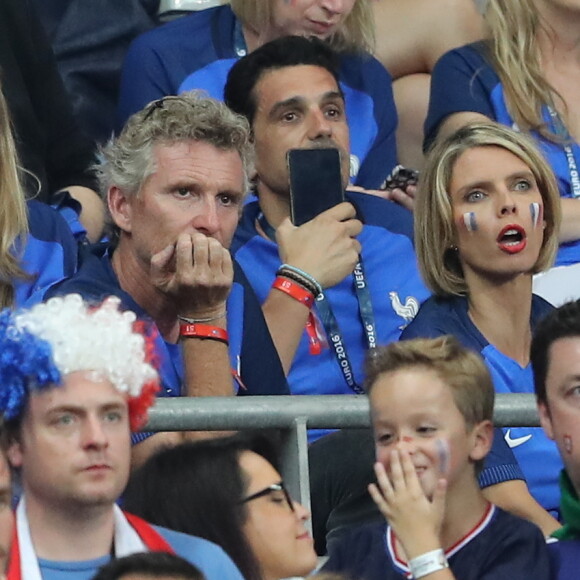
point(175, 180)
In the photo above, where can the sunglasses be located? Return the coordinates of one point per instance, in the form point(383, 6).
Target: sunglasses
point(160, 104)
point(275, 488)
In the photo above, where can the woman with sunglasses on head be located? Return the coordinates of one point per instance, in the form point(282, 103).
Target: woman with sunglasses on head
point(486, 220)
point(526, 75)
point(229, 491)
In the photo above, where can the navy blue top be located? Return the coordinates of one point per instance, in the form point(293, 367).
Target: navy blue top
point(500, 547)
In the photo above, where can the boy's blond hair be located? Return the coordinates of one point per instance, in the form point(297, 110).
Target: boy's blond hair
point(461, 369)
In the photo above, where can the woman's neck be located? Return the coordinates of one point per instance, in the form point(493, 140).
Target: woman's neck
point(558, 35)
point(501, 312)
point(254, 38)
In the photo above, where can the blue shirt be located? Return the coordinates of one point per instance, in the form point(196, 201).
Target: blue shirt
point(48, 253)
point(197, 52)
point(392, 279)
point(464, 80)
point(213, 562)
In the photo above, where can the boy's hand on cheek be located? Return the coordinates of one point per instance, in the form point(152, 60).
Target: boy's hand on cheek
point(415, 519)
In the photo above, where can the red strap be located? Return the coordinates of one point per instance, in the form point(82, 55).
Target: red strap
point(13, 572)
point(313, 338)
point(294, 290)
point(150, 536)
point(204, 331)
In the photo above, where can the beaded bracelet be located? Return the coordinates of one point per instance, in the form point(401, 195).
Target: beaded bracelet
point(204, 331)
point(294, 290)
point(299, 280)
point(201, 320)
point(293, 269)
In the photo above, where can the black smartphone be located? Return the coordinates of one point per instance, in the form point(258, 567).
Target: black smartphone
point(401, 178)
point(315, 182)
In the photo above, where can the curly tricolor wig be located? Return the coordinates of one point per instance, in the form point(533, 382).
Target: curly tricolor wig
point(40, 345)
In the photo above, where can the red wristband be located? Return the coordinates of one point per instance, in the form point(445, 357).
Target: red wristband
point(294, 290)
point(204, 331)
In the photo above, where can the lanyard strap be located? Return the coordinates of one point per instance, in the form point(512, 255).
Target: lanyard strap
point(240, 47)
point(568, 151)
point(330, 323)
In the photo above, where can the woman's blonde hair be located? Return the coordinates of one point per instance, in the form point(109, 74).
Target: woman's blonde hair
point(13, 213)
point(514, 53)
point(356, 34)
point(435, 231)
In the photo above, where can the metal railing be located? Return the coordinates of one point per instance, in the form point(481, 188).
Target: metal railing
point(294, 415)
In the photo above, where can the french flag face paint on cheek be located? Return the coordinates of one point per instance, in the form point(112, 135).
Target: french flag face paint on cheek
point(443, 454)
point(537, 213)
point(470, 221)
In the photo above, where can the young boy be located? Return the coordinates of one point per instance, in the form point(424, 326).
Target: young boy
point(431, 410)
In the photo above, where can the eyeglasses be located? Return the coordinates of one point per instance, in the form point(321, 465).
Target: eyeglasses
point(275, 488)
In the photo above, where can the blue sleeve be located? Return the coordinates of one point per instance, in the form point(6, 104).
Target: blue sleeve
point(461, 82)
point(210, 558)
point(50, 253)
point(375, 211)
point(144, 78)
point(382, 156)
point(500, 464)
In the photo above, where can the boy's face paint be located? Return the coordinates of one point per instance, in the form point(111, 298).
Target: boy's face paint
point(443, 453)
point(470, 221)
point(414, 410)
point(537, 213)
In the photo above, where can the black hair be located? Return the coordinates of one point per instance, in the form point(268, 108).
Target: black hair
point(563, 322)
point(149, 565)
point(280, 53)
point(197, 487)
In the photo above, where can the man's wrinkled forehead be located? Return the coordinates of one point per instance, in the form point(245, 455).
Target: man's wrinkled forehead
point(293, 85)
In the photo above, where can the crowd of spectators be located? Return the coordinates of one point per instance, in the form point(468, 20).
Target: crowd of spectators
point(428, 294)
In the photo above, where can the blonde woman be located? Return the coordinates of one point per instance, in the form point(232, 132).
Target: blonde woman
point(197, 52)
point(486, 220)
point(525, 75)
point(36, 245)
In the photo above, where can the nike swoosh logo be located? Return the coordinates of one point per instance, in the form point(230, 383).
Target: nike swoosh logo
point(517, 441)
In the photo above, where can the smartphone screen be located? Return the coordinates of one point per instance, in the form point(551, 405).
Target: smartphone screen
point(315, 182)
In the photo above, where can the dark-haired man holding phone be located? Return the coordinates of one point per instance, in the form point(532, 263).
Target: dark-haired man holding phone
point(363, 278)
